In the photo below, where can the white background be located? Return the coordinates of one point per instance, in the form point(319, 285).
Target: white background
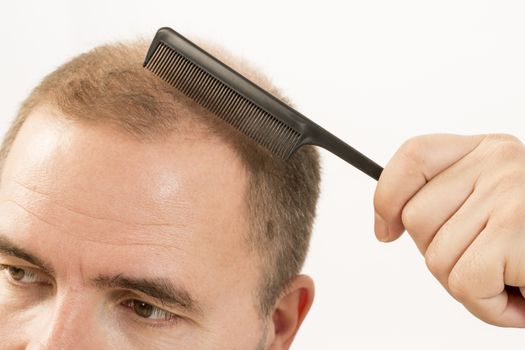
point(373, 72)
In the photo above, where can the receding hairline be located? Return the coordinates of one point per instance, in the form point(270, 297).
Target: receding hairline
point(282, 195)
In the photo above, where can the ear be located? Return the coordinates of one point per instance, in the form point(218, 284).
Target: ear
point(290, 310)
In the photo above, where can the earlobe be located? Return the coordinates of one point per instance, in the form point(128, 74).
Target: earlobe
point(290, 311)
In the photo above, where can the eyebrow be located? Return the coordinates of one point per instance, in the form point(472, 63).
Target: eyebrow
point(158, 288)
point(10, 249)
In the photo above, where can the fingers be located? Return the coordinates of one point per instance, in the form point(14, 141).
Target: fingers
point(479, 252)
point(461, 198)
point(416, 162)
point(435, 203)
point(455, 236)
point(478, 281)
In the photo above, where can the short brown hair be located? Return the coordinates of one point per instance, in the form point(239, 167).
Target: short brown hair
point(109, 85)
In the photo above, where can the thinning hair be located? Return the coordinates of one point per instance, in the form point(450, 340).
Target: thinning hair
point(108, 85)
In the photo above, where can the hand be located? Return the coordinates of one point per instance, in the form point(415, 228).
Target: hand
point(462, 200)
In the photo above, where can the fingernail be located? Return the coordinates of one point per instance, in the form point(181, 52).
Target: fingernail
point(381, 228)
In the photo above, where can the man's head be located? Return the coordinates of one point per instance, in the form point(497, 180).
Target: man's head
point(133, 218)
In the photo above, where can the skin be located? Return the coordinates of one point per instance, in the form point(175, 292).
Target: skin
point(462, 200)
point(91, 202)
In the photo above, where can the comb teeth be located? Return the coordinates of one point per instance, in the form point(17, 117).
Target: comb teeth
point(223, 101)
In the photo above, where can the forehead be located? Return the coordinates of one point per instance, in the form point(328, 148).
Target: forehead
point(86, 185)
point(60, 155)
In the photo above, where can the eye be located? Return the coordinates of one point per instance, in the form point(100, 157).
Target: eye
point(23, 276)
point(148, 311)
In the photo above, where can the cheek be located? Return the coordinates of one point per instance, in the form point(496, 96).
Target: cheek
point(16, 322)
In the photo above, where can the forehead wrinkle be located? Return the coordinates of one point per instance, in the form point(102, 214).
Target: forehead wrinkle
point(153, 243)
point(78, 212)
point(199, 195)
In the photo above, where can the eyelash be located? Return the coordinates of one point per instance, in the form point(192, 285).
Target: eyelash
point(30, 273)
point(163, 317)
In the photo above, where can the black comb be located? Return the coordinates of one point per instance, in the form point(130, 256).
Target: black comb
point(244, 105)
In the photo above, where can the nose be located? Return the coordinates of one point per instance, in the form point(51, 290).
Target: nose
point(71, 323)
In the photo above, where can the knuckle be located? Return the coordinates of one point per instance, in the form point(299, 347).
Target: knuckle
point(433, 262)
point(456, 285)
point(411, 149)
point(509, 181)
point(501, 137)
point(410, 217)
point(508, 150)
point(510, 216)
point(506, 147)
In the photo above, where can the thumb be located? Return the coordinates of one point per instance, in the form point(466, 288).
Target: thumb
point(414, 164)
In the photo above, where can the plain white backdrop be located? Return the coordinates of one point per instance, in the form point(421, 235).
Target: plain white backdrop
point(373, 72)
